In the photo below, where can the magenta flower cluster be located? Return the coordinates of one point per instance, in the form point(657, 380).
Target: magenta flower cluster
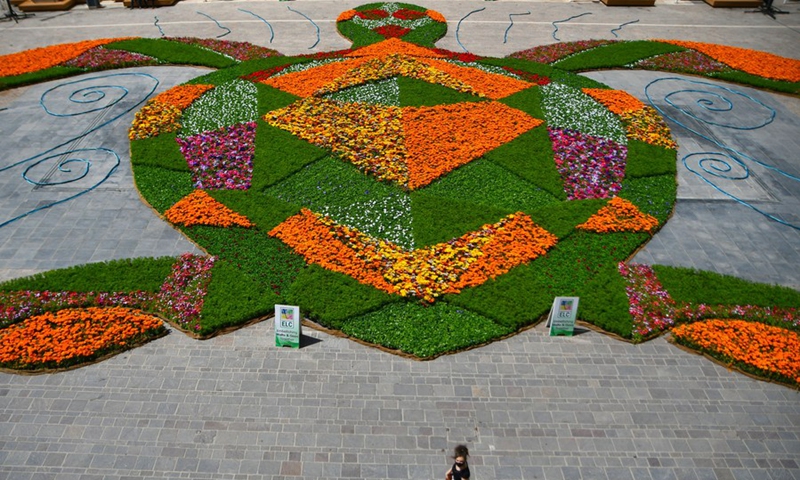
point(650, 305)
point(100, 57)
point(590, 167)
point(17, 306)
point(689, 61)
point(237, 50)
point(655, 311)
point(558, 51)
point(183, 292)
point(221, 159)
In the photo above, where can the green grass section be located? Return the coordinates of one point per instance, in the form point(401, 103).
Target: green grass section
point(173, 52)
point(332, 298)
point(37, 77)
point(418, 93)
point(487, 183)
point(263, 210)
point(233, 298)
point(528, 101)
point(697, 286)
point(219, 77)
point(424, 330)
point(438, 219)
point(272, 99)
point(582, 265)
point(555, 74)
point(646, 160)
point(261, 259)
point(279, 154)
point(653, 195)
point(615, 55)
point(560, 219)
point(161, 151)
point(162, 188)
point(127, 275)
point(756, 81)
point(530, 157)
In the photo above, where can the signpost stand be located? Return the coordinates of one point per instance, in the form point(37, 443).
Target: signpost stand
point(287, 326)
point(563, 315)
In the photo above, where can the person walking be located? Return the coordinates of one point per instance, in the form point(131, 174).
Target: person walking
point(460, 468)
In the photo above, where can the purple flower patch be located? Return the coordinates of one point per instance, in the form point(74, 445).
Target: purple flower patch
point(221, 159)
point(590, 167)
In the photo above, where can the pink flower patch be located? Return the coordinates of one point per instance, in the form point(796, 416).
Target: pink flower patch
point(590, 167)
point(222, 159)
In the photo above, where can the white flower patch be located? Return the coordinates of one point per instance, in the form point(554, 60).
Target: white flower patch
point(383, 92)
point(299, 67)
point(233, 103)
point(568, 107)
point(387, 218)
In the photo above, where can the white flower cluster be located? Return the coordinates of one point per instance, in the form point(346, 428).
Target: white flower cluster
point(387, 218)
point(229, 104)
point(382, 92)
point(567, 107)
point(390, 8)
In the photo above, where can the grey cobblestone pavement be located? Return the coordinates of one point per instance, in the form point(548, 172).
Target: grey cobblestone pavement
point(532, 406)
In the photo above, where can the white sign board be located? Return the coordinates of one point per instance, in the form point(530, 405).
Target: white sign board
point(563, 315)
point(287, 326)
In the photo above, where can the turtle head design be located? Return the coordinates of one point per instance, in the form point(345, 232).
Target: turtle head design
point(376, 22)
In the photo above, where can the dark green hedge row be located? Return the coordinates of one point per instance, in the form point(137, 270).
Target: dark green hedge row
point(128, 275)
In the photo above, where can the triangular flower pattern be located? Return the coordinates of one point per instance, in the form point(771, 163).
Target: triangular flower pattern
point(200, 208)
point(424, 273)
point(619, 215)
point(396, 144)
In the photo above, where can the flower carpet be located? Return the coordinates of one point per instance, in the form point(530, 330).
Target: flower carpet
point(396, 182)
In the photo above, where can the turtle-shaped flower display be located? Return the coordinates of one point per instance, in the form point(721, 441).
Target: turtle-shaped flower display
point(410, 197)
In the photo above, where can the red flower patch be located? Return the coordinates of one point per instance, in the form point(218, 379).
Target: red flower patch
point(391, 31)
point(406, 14)
point(375, 14)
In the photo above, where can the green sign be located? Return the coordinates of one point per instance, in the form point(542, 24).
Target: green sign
point(563, 315)
point(287, 326)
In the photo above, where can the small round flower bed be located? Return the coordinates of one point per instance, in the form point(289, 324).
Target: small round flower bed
point(58, 340)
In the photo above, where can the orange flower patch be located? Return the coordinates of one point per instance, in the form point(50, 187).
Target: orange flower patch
point(46, 57)
point(394, 46)
point(769, 349)
point(396, 65)
point(751, 61)
point(397, 144)
point(182, 96)
point(435, 16)
point(305, 82)
point(424, 273)
point(617, 101)
point(68, 336)
point(154, 119)
point(200, 208)
point(346, 15)
point(463, 132)
point(619, 215)
point(314, 241)
point(491, 85)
